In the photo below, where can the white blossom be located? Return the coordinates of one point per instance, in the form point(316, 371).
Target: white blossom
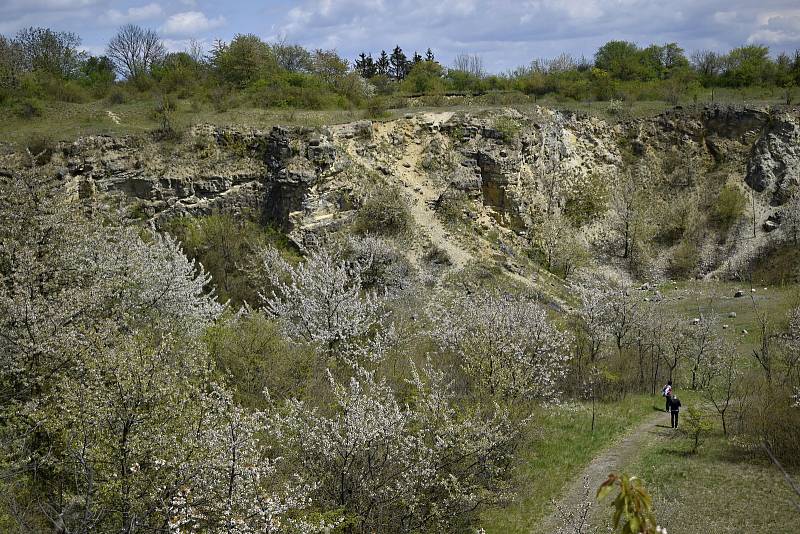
point(394, 466)
point(324, 301)
point(507, 344)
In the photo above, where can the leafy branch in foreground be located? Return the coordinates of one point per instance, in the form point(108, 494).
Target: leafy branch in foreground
point(633, 505)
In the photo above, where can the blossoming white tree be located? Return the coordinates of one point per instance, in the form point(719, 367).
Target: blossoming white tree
point(390, 466)
point(323, 300)
point(507, 345)
point(594, 318)
point(107, 422)
point(65, 278)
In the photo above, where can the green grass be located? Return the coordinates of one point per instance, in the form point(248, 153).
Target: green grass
point(716, 298)
point(720, 489)
point(67, 121)
point(557, 447)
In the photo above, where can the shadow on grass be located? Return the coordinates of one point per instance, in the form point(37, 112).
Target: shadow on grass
point(678, 453)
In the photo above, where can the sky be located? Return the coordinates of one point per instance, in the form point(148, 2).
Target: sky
point(505, 33)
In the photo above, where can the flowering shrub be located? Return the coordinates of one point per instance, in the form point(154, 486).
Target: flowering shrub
point(507, 346)
point(397, 467)
point(109, 419)
point(323, 301)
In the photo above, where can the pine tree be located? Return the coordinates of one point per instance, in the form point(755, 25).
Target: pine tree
point(399, 63)
point(383, 64)
point(429, 55)
point(365, 65)
point(416, 59)
point(370, 66)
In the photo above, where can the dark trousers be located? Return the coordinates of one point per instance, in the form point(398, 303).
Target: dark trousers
point(675, 419)
point(666, 408)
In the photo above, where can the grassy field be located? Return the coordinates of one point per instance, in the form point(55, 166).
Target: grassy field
point(706, 492)
point(720, 489)
point(67, 121)
point(557, 447)
point(693, 297)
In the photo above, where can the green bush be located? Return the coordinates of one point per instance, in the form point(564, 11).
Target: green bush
point(227, 248)
point(508, 127)
point(696, 426)
point(49, 87)
point(437, 255)
point(504, 98)
point(295, 90)
point(28, 108)
point(116, 96)
point(587, 202)
point(377, 108)
point(41, 148)
point(729, 206)
point(385, 212)
point(164, 112)
point(253, 355)
point(684, 260)
point(67, 91)
point(452, 205)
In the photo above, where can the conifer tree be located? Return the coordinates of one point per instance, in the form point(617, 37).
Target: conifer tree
point(383, 64)
point(399, 63)
point(365, 65)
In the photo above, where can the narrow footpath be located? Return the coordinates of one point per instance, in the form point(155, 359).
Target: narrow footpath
point(613, 460)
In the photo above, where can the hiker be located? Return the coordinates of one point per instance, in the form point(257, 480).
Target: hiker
point(674, 408)
point(667, 392)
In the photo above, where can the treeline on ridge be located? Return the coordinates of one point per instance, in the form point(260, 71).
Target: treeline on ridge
point(41, 64)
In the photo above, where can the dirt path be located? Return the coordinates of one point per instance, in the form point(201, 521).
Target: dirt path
point(614, 459)
point(422, 209)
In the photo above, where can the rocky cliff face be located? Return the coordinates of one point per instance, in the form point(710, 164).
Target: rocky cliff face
point(774, 165)
point(508, 166)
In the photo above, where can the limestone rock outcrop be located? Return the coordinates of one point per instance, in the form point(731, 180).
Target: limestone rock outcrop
point(512, 167)
point(774, 165)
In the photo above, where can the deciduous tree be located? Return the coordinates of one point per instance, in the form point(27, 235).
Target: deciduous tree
point(508, 347)
point(135, 50)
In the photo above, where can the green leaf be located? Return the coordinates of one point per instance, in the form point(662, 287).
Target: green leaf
point(617, 515)
point(603, 491)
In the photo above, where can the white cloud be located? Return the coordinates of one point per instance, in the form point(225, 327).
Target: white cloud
point(93, 50)
point(190, 23)
point(185, 45)
point(778, 29)
point(132, 14)
point(506, 33)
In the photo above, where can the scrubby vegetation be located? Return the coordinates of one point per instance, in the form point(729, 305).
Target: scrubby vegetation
point(435, 351)
point(40, 68)
point(341, 386)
